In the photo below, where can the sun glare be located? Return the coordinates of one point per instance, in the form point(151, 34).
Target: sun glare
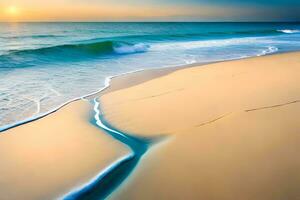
point(12, 10)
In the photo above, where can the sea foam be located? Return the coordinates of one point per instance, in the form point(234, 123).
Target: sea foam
point(289, 31)
point(128, 48)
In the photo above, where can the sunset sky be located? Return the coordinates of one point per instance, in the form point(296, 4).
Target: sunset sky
point(150, 10)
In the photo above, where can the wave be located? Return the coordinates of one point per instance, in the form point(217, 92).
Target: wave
point(216, 33)
point(96, 48)
point(207, 43)
point(205, 33)
point(247, 32)
point(183, 36)
point(117, 45)
point(289, 31)
point(161, 37)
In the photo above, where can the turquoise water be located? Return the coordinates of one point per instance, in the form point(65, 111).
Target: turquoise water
point(44, 65)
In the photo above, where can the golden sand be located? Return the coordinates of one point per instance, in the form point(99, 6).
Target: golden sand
point(233, 131)
point(49, 157)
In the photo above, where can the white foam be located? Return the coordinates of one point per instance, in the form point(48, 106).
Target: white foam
point(126, 49)
point(205, 43)
point(289, 31)
point(270, 50)
point(189, 62)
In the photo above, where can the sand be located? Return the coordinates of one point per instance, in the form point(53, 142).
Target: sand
point(232, 127)
point(49, 157)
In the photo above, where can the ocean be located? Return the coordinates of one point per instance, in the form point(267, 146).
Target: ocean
point(44, 65)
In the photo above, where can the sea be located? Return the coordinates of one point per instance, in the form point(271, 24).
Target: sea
point(45, 65)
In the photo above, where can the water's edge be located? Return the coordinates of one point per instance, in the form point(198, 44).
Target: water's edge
point(111, 177)
point(84, 97)
point(107, 85)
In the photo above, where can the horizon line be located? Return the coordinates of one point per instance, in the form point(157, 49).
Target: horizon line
point(290, 21)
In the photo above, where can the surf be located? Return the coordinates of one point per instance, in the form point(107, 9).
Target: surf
point(289, 31)
point(92, 49)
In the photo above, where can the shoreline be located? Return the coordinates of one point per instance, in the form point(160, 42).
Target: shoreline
point(102, 90)
point(110, 81)
point(141, 76)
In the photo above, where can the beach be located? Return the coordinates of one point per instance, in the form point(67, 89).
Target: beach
point(225, 130)
point(43, 66)
point(232, 131)
point(54, 155)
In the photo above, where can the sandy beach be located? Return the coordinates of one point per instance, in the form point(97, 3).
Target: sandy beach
point(50, 157)
point(232, 131)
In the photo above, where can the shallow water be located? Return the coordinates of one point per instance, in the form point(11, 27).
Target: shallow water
point(113, 176)
point(43, 65)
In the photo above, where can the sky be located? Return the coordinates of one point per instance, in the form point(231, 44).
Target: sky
point(150, 10)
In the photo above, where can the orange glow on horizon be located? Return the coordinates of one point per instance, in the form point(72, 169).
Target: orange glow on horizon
point(136, 10)
point(62, 10)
